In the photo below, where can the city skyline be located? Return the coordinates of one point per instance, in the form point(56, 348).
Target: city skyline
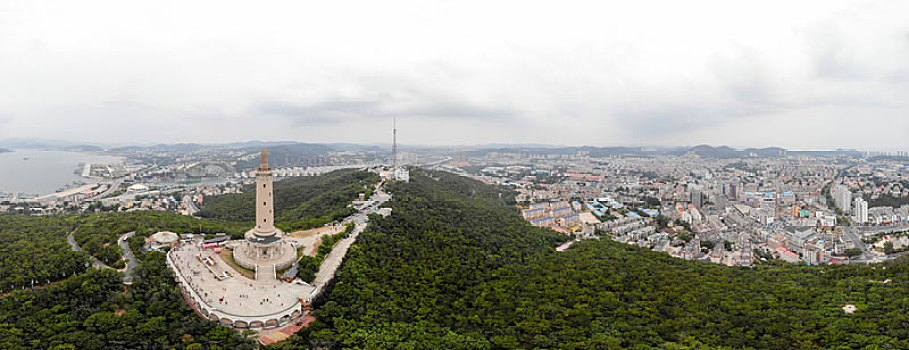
point(813, 75)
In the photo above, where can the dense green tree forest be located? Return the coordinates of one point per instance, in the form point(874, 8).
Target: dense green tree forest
point(605, 294)
point(35, 249)
point(94, 310)
point(300, 202)
point(98, 233)
point(455, 267)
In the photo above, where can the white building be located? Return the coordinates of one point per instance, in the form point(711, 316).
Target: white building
point(401, 174)
point(861, 210)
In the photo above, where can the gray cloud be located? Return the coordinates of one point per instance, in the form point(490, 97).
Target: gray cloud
point(344, 111)
point(448, 109)
point(600, 73)
point(321, 113)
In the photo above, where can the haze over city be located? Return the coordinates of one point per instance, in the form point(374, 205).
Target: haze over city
point(798, 75)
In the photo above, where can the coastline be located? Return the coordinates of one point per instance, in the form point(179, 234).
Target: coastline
point(52, 171)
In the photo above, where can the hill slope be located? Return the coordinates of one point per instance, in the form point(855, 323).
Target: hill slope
point(455, 267)
point(402, 281)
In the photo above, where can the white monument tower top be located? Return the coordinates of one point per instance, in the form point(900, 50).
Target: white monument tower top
point(263, 159)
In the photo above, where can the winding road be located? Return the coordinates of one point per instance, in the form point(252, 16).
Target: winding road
point(131, 263)
point(76, 248)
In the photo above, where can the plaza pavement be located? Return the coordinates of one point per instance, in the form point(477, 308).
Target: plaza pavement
point(235, 295)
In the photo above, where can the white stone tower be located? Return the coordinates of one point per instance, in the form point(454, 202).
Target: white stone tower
point(265, 214)
point(265, 248)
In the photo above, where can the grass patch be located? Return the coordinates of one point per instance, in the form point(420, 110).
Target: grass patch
point(315, 247)
point(227, 255)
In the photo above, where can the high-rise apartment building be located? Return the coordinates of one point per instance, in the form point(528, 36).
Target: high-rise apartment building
point(861, 210)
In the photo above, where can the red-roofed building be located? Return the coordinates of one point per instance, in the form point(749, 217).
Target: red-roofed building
point(787, 255)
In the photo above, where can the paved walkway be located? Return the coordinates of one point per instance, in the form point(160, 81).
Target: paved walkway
point(333, 260)
point(266, 274)
point(131, 262)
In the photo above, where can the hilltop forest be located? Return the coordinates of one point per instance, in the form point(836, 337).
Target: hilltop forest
point(456, 268)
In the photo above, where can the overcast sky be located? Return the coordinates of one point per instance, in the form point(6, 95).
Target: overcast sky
point(796, 74)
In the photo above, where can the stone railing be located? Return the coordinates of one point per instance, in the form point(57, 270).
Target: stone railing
point(292, 258)
point(241, 259)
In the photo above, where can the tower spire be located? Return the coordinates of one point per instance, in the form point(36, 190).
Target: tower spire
point(263, 159)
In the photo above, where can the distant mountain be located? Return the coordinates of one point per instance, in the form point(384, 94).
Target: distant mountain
point(35, 143)
point(358, 147)
point(706, 151)
point(178, 147)
point(127, 149)
point(592, 151)
point(770, 152)
point(834, 153)
point(296, 154)
point(255, 144)
point(5, 150)
point(83, 148)
point(519, 145)
point(615, 151)
point(190, 147)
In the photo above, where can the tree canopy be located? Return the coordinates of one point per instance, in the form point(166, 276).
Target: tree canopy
point(34, 249)
point(94, 310)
